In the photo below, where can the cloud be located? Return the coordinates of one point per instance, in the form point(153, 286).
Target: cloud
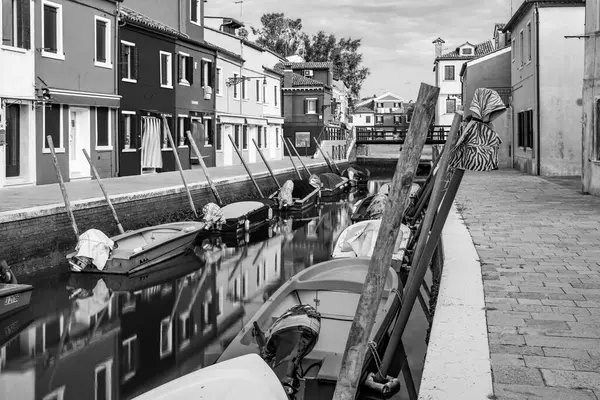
point(396, 34)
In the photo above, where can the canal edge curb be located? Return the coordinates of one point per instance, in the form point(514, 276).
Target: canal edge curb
point(457, 364)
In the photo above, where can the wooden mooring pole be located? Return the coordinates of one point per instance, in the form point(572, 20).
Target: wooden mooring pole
point(245, 166)
point(266, 163)
point(61, 183)
point(213, 188)
point(290, 155)
point(112, 209)
point(298, 155)
point(368, 304)
point(325, 157)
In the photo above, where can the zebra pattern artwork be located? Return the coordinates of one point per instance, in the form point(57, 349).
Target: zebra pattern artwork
point(477, 146)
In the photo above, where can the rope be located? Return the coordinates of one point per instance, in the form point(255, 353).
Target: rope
point(373, 347)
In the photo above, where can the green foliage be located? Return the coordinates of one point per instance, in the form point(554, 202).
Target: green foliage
point(280, 34)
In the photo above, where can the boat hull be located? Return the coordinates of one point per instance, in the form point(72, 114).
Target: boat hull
point(247, 222)
point(298, 204)
point(340, 189)
point(14, 297)
point(13, 324)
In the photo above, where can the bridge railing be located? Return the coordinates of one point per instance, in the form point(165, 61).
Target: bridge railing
point(397, 134)
point(334, 133)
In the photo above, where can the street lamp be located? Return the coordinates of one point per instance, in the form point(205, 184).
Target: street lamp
point(236, 79)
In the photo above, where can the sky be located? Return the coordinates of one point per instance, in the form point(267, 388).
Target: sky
point(396, 34)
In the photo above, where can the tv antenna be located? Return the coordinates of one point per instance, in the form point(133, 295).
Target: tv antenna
point(241, 3)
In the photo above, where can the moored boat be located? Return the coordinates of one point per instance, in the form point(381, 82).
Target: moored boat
point(243, 216)
point(303, 196)
point(361, 210)
point(357, 175)
point(333, 185)
point(13, 297)
point(132, 251)
point(311, 315)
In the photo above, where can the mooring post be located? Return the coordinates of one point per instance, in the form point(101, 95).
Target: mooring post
point(266, 163)
point(298, 155)
point(61, 183)
point(245, 166)
point(290, 155)
point(368, 304)
point(213, 188)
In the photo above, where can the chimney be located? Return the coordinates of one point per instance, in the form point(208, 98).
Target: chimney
point(288, 74)
point(438, 47)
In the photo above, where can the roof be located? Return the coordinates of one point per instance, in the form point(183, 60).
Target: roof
point(527, 4)
point(140, 19)
point(481, 49)
point(299, 81)
point(307, 65)
point(273, 71)
point(227, 52)
point(364, 109)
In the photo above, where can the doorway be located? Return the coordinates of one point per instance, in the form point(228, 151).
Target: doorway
point(13, 140)
point(79, 139)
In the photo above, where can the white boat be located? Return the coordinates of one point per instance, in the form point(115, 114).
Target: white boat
point(247, 377)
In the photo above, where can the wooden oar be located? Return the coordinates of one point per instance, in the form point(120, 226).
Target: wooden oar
point(179, 167)
point(370, 298)
point(62, 186)
point(298, 155)
point(290, 155)
point(213, 188)
point(267, 164)
point(112, 209)
point(245, 166)
point(325, 157)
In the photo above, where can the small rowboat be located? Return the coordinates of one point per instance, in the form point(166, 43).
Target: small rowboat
point(333, 185)
point(13, 297)
point(312, 314)
point(143, 248)
point(244, 216)
point(359, 212)
point(302, 199)
point(247, 377)
point(358, 176)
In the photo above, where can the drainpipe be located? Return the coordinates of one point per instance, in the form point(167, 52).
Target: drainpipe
point(116, 68)
point(537, 84)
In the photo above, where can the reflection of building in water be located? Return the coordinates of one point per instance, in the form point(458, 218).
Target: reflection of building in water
point(68, 355)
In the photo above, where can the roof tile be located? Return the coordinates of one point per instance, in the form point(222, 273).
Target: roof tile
point(481, 49)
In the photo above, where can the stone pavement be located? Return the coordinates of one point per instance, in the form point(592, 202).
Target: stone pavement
point(22, 197)
point(539, 246)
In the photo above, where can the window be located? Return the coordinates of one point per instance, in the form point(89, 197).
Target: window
point(185, 69)
point(235, 89)
point(397, 119)
point(128, 130)
point(195, 11)
point(513, 50)
point(277, 138)
point(259, 136)
point(467, 51)
point(102, 43)
point(529, 41)
point(16, 28)
point(129, 358)
point(379, 120)
point(450, 106)
point(52, 116)
point(525, 129)
point(208, 132)
point(264, 95)
point(57, 394)
point(245, 137)
point(302, 139)
point(258, 91)
point(166, 70)
point(219, 87)
point(182, 126)
point(166, 144)
point(103, 128)
point(310, 106)
point(129, 62)
point(236, 135)
point(219, 137)
point(244, 88)
point(52, 31)
point(265, 141)
point(206, 76)
point(103, 382)
point(166, 337)
point(521, 48)
point(449, 72)
point(368, 119)
point(275, 95)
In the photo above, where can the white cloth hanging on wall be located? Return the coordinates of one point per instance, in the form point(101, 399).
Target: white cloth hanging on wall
point(151, 153)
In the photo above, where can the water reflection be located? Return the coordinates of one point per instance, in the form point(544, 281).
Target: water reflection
point(109, 339)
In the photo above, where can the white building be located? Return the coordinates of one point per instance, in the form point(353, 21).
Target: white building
point(340, 102)
point(17, 93)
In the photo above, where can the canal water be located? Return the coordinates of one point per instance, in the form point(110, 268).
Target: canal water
point(88, 338)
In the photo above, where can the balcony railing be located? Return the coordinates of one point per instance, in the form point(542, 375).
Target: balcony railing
point(397, 134)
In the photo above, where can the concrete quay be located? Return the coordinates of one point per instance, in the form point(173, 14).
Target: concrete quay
point(535, 277)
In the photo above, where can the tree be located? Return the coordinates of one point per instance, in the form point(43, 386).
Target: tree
point(280, 34)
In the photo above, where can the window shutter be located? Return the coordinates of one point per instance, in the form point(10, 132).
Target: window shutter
point(123, 60)
point(190, 70)
point(211, 74)
point(180, 66)
point(135, 60)
point(317, 106)
point(305, 106)
point(202, 77)
point(24, 26)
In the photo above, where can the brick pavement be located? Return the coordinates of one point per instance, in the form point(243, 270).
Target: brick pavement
point(539, 246)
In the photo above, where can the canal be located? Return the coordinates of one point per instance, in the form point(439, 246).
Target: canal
point(107, 339)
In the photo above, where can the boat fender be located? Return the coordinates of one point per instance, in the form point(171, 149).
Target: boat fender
point(247, 225)
point(270, 214)
point(388, 388)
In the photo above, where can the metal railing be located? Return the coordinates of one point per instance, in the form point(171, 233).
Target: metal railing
point(334, 133)
point(397, 134)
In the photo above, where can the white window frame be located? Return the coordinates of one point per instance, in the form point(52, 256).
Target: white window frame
point(513, 50)
point(244, 89)
point(183, 317)
point(107, 42)
point(108, 366)
point(130, 62)
point(308, 101)
point(110, 132)
point(60, 55)
point(206, 71)
point(219, 88)
point(204, 119)
point(14, 47)
point(522, 47)
point(529, 42)
point(184, 81)
point(123, 114)
point(198, 13)
point(127, 341)
point(169, 84)
point(167, 352)
point(56, 394)
point(265, 131)
point(61, 147)
point(180, 116)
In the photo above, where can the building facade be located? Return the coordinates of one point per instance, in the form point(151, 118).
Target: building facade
point(446, 68)
point(590, 174)
point(340, 96)
point(546, 75)
point(18, 100)
point(364, 114)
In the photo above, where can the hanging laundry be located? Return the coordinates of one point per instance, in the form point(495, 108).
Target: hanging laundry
point(151, 152)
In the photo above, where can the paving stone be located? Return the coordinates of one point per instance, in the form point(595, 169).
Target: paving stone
point(573, 354)
point(560, 303)
point(571, 310)
point(591, 365)
point(547, 324)
point(507, 359)
point(511, 330)
point(562, 342)
point(571, 379)
point(508, 349)
point(496, 338)
point(517, 375)
point(553, 316)
point(549, 362)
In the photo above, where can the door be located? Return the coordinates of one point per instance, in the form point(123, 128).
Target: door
point(130, 143)
point(13, 140)
point(201, 132)
point(79, 139)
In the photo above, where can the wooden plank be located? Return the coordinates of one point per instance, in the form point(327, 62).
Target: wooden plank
point(290, 155)
point(213, 188)
point(112, 209)
point(61, 183)
point(245, 166)
point(267, 164)
point(360, 332)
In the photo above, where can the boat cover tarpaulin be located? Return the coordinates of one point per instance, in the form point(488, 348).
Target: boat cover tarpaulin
point(330, 180)
point(240, 209)
point(285, 194)
point(358, 240)
point(95, 245)
point(302, 188)
point(212, 216)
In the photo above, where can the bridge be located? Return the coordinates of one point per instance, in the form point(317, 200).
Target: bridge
point(396, 134)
